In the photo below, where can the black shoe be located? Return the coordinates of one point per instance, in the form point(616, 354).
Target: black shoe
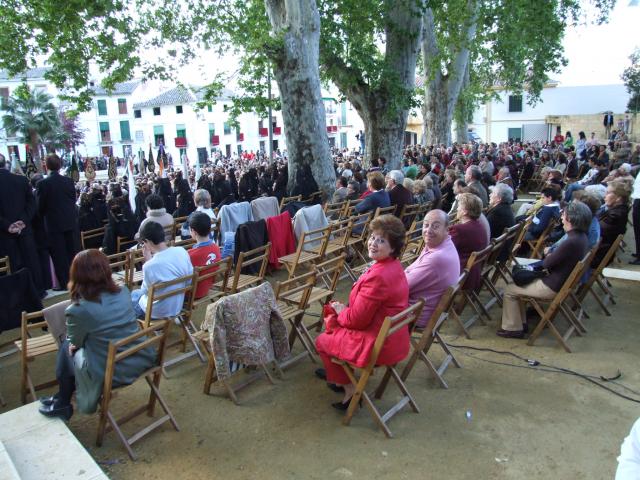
point(510, 333)
point(336, 388)
point(344, 406)
point(637, 255)
point(59, 289)
point(525, 328)
point(47, 401)
point(321, 373)
point(63, 412)
point(635, 262)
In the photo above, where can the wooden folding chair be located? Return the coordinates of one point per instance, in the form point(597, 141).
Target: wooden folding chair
point(413, 244)
point(310, 249)
point(163, 290)
point(557, 305)
point(242, 281)
point(30, 348)
point(431, 334)
point(334, 211)
point(537, 245)
point(489, 269)
point(384, 211)
point(471, 297)
point(151, 336)
point(134, 272)
point(350, 208)
point(293, 311)
point(390, 326)
point(511, 244)
point(286, 200)
point(356, 245)
point(91, 234)
point(338, 238)
point(5, 266)
point(314, 197)
point(596, 277)
point(119, 264)
point(123, 243)
point(409, 214)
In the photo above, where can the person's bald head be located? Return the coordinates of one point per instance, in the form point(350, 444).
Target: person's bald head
point(435, 228)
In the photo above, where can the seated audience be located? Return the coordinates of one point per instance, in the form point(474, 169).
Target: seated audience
point(469, 235)
point(100, 313)
point(162, 263)
point(204, 252)
point(158, 214)
point(500, 214)
point(381, 291)
point(576, 219)
point(378, 197)
point(437, 267)
point(398, 195)
point(613, 218)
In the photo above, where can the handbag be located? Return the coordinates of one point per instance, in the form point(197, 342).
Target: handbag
point(524, 275)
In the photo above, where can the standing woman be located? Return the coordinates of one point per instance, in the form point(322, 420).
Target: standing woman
point(568, 140)
point(581, 145)
point(380, 292)
point(100, 313)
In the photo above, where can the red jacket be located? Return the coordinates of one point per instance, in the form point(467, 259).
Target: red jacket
point(281, 237)
point(380, 292)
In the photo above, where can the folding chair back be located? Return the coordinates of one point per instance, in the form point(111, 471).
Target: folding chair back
point(96, 233)
point(384, 211)
point(31, 347)
point(287, 200)
point(119, 264)
point(518, 238)
point(187, 243)
point(5, 266)
point(334, 211)
point(390, 325)
point(409, 214)
point(537, 245)
point(152, 336)
point(314, 197)
point(164, 290)
point(350, 207)
point(431, 334)
point(329, 273)
point(258, 256)
point(413, 244)
point(340, 235)
point(210, 273)
point(134, 272)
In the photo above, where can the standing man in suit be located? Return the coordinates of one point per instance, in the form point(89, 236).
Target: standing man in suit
point(56, 196)
point(17, 207)
point(608, 123)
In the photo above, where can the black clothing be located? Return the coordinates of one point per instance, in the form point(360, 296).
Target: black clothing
point(17, 295)
point(250, 235)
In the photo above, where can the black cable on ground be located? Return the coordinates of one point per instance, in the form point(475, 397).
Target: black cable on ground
point(532, 364)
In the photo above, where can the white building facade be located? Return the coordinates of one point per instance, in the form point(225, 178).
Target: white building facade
point(511, 117)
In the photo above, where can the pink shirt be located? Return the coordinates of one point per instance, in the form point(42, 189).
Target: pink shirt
point(431, 274)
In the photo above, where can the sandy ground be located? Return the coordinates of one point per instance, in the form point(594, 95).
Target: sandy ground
point(523, 423)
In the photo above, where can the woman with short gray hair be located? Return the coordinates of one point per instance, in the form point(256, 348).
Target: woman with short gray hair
point(576, 219)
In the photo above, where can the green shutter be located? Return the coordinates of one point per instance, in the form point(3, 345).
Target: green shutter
point(227, 128)
point(102, 107)
point(125, 133)
point(104, 126)
point(181, 131)
point(343, 113)
point(158, 130)
point(209, 108)
point(212, 129)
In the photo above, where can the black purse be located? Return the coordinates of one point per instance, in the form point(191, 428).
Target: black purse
point(524, 275)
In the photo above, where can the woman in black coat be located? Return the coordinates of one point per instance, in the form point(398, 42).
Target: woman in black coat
point(613, 219)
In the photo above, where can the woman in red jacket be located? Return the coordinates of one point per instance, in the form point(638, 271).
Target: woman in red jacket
point(381, 291)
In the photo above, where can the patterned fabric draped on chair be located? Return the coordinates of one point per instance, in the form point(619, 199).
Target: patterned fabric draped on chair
point(246, 328)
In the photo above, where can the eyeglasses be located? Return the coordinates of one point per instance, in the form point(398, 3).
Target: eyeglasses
point(377, 240)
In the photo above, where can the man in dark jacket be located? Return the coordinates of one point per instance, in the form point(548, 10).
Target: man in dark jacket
point(56, 196)
point(398, 195)
point(17, 207)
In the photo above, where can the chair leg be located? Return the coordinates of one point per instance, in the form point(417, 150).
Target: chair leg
point(121, 436)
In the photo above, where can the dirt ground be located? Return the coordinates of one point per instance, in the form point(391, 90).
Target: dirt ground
point(494, 421)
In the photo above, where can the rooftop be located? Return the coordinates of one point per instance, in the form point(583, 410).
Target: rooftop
point(119, 89)
point(32, 73)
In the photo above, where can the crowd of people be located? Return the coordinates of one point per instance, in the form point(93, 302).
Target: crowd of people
point(585, 189)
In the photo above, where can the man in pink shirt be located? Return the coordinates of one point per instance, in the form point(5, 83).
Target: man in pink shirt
point(437, 267)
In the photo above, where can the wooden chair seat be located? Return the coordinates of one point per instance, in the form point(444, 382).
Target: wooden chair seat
point(305, 257)
point(37, 346)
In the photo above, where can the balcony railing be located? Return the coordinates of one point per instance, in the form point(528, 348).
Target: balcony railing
point(181, 142)
point(215, 140)
point(277, 130)
point(263, 132)
point(240, 137)
point(332, 128)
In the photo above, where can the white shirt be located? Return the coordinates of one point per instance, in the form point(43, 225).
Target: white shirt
point(629, 459)
point(636, 188)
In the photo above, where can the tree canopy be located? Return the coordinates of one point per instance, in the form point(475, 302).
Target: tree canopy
point(631, 78)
